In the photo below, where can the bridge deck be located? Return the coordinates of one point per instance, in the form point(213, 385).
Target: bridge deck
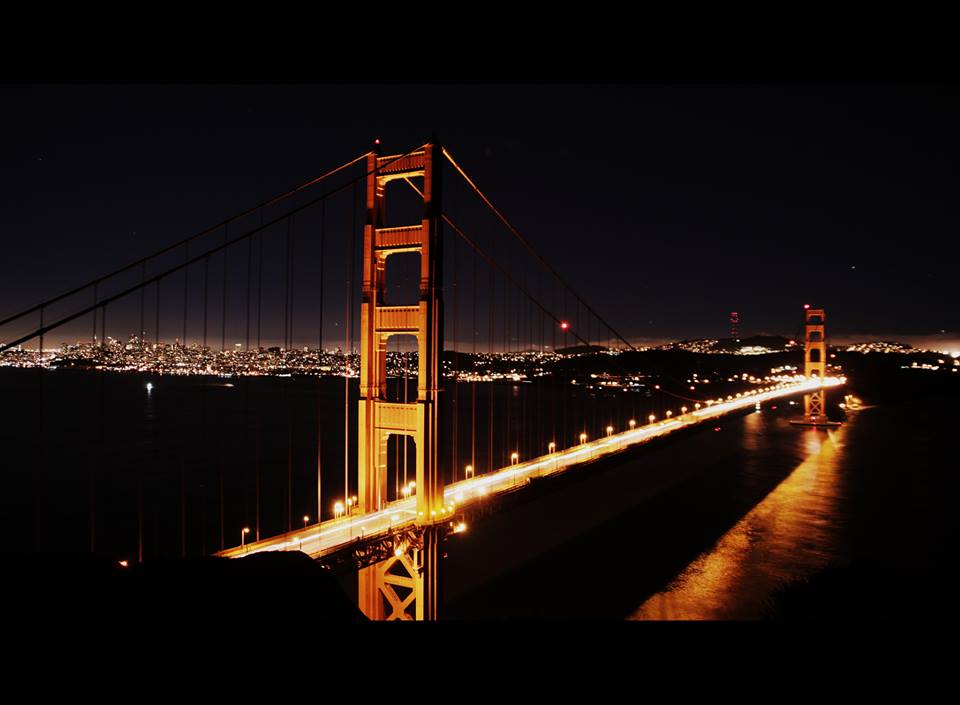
point(336, 534)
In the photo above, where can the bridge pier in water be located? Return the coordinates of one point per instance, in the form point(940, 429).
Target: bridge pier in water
point(413, 567)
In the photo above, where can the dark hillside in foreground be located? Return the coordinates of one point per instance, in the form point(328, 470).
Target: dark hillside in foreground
point(260, 592)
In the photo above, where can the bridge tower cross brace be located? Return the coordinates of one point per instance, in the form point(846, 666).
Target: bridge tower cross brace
point(814, 362)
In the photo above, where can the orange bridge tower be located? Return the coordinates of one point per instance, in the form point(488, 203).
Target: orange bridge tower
point(815, 366)
point(405, 585)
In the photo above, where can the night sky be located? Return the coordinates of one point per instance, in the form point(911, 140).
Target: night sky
point(666, 206)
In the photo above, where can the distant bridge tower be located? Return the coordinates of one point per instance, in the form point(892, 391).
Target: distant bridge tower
point(814, 363)
point(413, 568)
point(734, 321)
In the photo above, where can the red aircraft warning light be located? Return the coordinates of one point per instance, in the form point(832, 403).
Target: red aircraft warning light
point(564, 325)
point(806, 306)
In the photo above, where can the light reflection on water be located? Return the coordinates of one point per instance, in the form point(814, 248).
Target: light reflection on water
point(792, 533)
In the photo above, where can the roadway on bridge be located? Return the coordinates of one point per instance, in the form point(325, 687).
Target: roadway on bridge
point(336, 534)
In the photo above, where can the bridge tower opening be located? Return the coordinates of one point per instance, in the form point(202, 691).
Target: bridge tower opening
point(378, 417)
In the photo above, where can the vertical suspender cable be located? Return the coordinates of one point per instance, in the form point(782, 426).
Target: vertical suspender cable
point(143, 293)
point(323, 225)
point(249, 270)
point(491, 300)
point(347, 342)
point(206, 290)
point(456, 367)
point(186, 271)
point(93, 337)
point(473, 386)
point(156, 325)
point(260, 236)
point(293, 243)
point(223, 320)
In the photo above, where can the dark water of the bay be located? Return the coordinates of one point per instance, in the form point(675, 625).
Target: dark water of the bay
point(97, 461)
point(760, 520)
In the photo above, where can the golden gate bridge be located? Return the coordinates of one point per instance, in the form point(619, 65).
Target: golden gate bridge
point(465, 301)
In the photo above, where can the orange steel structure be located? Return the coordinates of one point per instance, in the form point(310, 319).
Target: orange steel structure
point(814, 363)
point(413, 569)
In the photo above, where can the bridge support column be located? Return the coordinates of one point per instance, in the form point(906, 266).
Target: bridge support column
point(378, 418)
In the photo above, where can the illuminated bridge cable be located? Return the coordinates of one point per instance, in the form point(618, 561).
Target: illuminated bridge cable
point(525, 243)
point(286, 292)
point(182, 266)
point(223, 303)
point(260, 283)
point(143, 291)
point(495, 264)
point(473, 391)
point(93, 335)
point(186, 272)
point(323, 225)
point(156, 325)
point(187, 240)
point(347, 342)
point(456, 369)
point(292, 223)
point(249, 263)
point(206, 293)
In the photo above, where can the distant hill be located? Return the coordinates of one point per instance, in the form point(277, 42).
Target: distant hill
point(774, 342)
point(581, 349)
